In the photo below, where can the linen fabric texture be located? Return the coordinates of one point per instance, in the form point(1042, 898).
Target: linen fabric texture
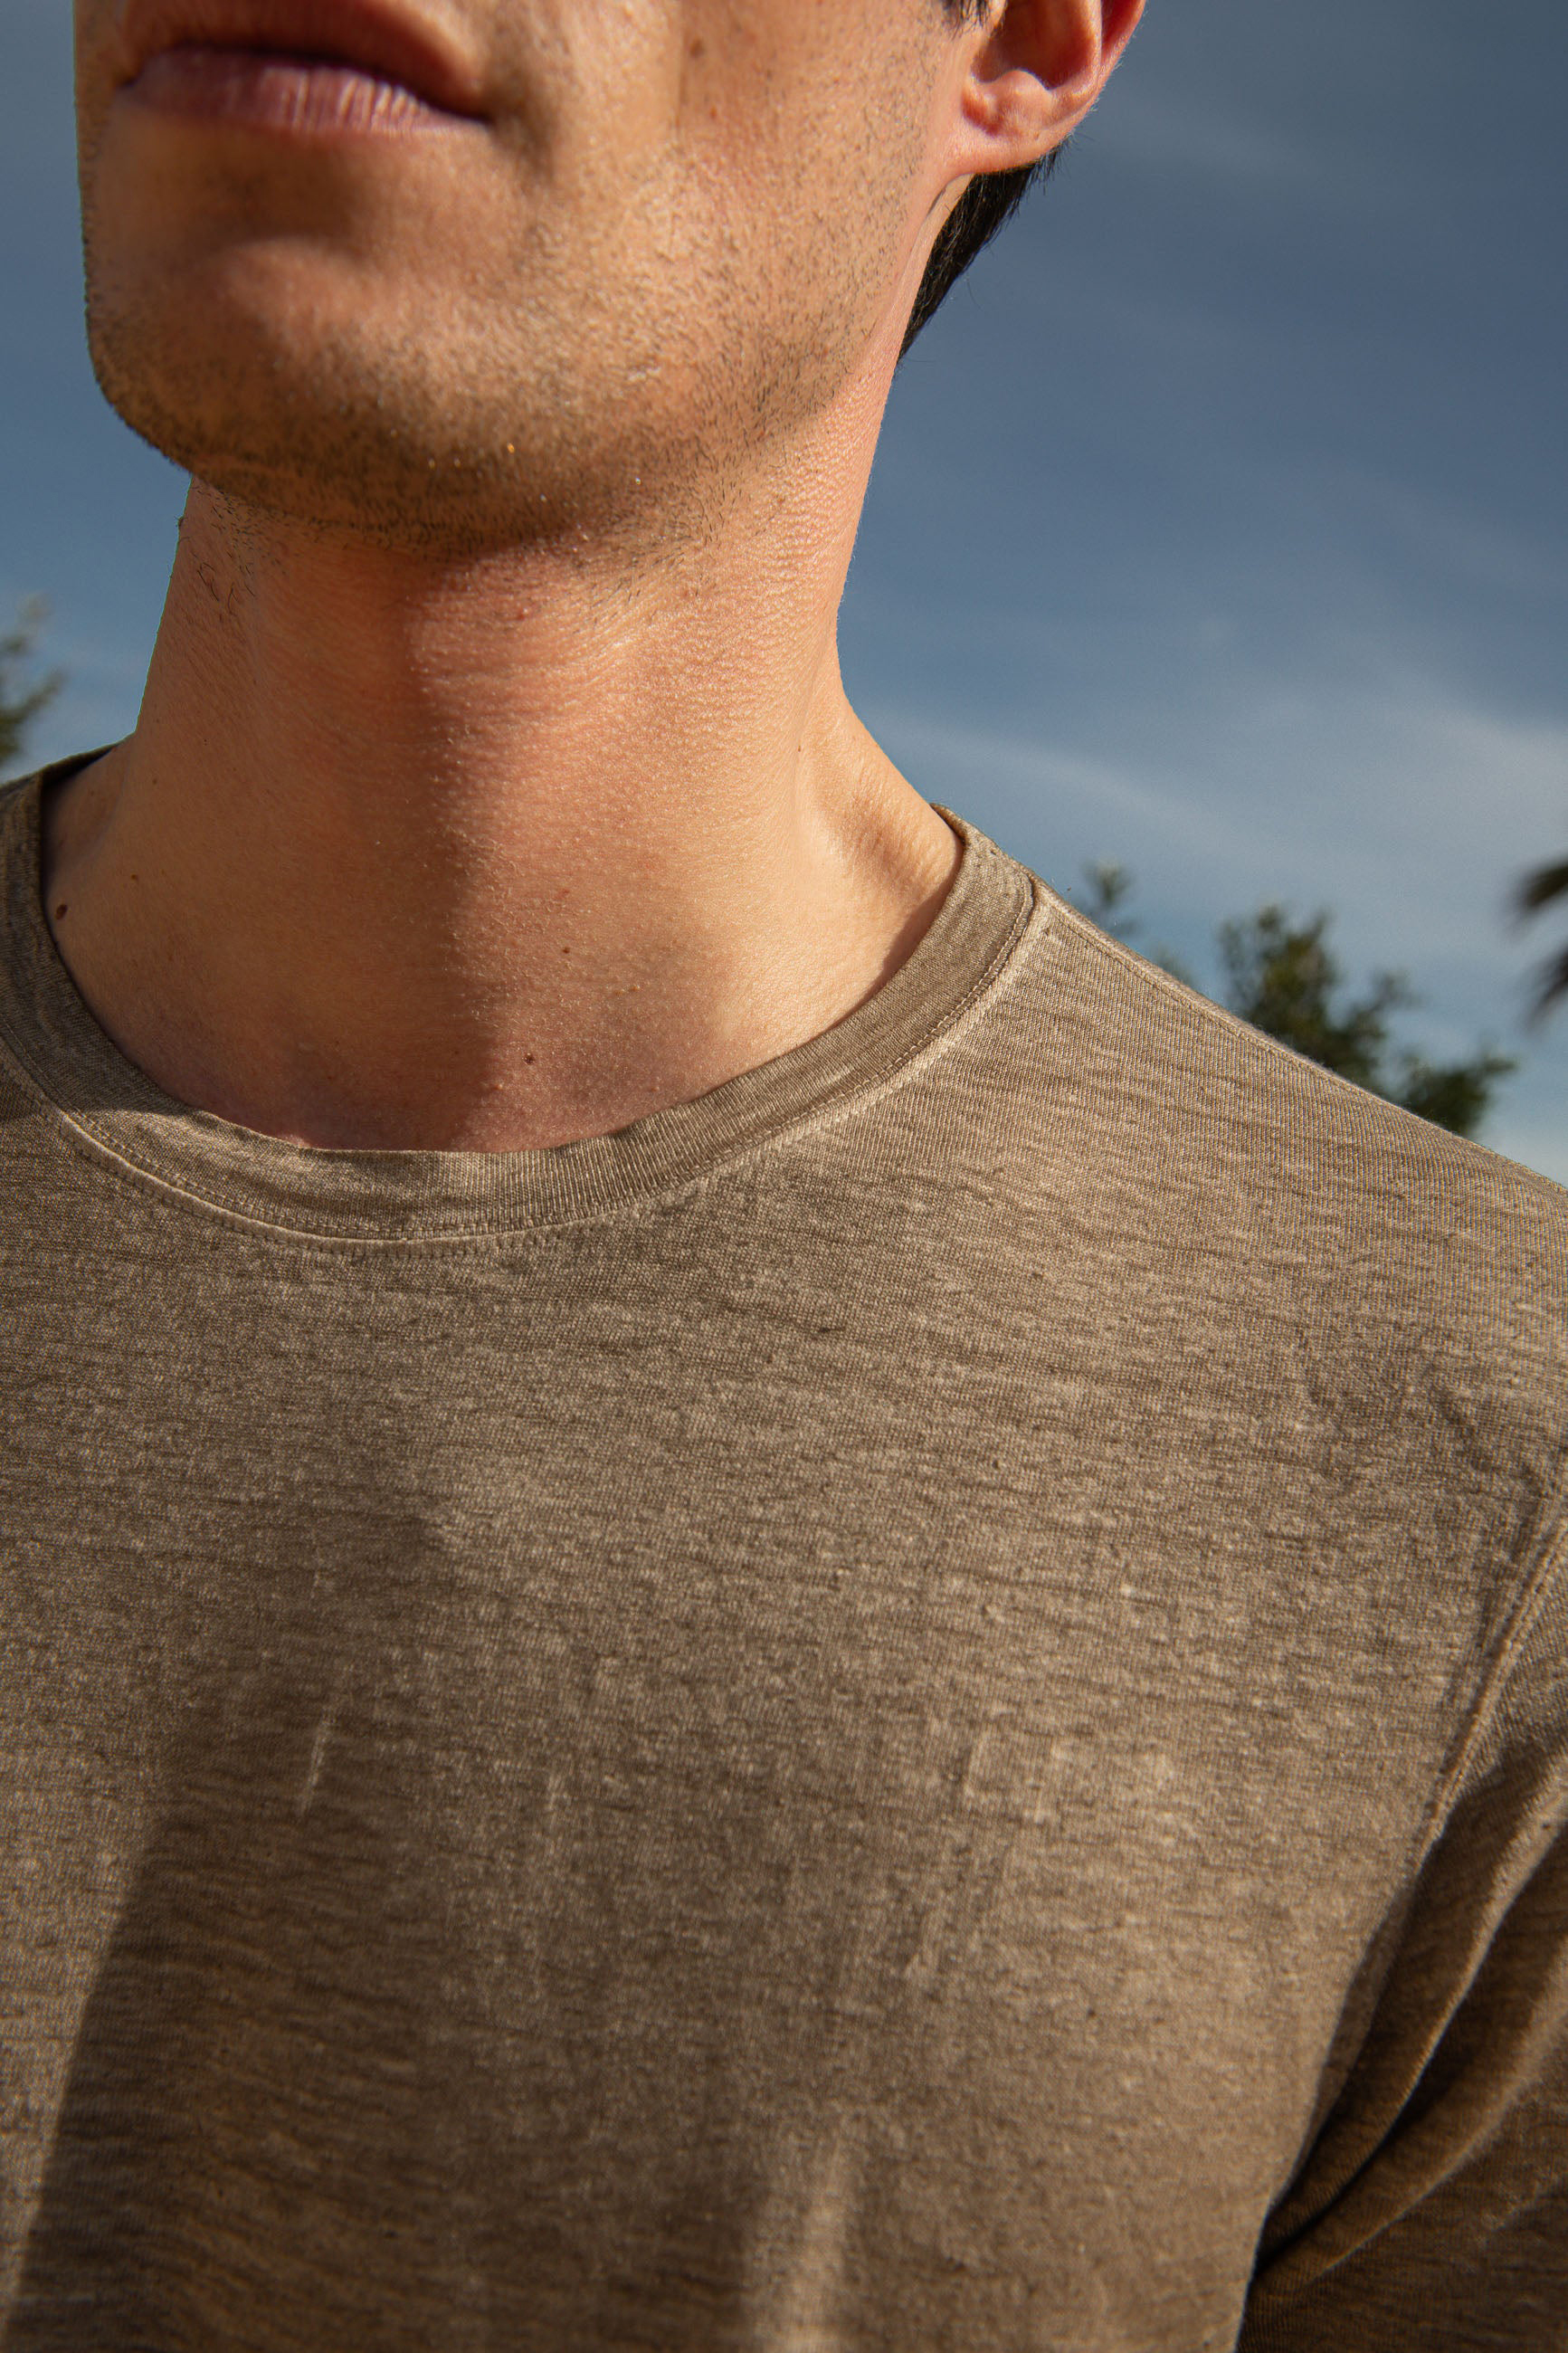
point(918, 1705)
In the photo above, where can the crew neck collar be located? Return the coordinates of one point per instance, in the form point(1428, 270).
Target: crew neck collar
point(992, 907)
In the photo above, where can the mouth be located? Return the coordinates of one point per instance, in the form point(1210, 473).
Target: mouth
point(304, 65)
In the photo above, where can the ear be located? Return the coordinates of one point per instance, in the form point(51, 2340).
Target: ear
point(1038, 68)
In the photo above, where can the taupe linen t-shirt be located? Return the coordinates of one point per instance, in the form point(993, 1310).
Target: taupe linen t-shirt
point(920, 1704)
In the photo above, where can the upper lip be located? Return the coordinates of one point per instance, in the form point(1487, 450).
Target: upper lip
point(378, 35)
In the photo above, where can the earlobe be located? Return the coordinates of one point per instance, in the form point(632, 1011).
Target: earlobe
point(1041, 65)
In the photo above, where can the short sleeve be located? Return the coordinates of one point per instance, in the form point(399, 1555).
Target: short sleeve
point(1431, 2212)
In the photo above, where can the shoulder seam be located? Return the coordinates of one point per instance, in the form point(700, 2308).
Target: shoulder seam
point(1220, 1017)
point(1529, 1605)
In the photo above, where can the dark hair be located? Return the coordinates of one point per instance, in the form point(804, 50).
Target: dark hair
point(990, 200)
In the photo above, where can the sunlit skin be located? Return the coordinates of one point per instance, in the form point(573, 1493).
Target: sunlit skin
point(495, 784)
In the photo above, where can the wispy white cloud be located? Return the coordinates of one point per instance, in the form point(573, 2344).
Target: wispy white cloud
point(1148, 126)
point(1442, 529)
point(1405, 800)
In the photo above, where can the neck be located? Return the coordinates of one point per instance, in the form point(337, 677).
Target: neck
point(487, 854)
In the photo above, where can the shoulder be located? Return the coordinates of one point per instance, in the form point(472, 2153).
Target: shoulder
point(1232, 1116)
point(1254, 1189)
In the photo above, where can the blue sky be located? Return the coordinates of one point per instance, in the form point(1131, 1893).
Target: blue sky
point(1220, 520)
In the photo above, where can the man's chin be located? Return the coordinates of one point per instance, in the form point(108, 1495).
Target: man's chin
point(338, 475)
point(366, 446)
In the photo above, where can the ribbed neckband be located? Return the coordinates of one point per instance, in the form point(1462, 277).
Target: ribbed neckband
point(993, 909)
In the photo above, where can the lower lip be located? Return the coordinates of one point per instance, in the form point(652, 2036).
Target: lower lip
point(300, 98)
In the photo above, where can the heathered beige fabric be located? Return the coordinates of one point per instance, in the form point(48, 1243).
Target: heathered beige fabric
point(919, 1705)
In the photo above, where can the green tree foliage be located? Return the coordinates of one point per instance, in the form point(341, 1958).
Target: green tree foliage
point(20, 704)
point(1109, 888)
point(1543, 889)
point(1281, 977)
